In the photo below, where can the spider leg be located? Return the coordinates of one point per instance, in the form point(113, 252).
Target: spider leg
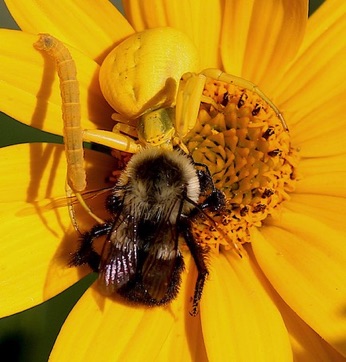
point(216, 199)
point(241, 82)
point(188, 101)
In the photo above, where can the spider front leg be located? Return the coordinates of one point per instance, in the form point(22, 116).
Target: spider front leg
point(114, 140)
point(117, 141)
point(246, 84)
point(188, 102)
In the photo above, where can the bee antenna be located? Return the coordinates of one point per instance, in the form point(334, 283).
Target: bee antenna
point(91, 194)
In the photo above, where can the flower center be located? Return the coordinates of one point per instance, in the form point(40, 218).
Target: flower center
point(250, 157)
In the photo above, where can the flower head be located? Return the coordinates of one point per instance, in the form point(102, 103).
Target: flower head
point(285, 190)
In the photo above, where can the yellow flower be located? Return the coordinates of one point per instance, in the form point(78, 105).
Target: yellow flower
point(287, 295)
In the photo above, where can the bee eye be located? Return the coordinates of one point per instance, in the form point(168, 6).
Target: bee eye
point(113, 203)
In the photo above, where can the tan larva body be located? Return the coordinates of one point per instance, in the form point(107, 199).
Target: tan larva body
point(71, 114)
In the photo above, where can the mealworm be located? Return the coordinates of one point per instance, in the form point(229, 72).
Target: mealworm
point(71, 113)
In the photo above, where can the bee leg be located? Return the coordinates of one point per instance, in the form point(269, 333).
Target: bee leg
point(86, 253)
point(216, 201)
point(205, 181)
point(198, 253)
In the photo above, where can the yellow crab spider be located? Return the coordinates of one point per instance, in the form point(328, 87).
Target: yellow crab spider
point(151, 80)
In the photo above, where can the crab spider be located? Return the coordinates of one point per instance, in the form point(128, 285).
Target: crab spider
point(162, 119)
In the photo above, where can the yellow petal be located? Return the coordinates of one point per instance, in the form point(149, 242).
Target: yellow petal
point(259, 37)
point(305, 262)
point(315, 75)
point(185, 339)
point(111, 330)
point(37, 233)
point(323, 175)
point(200, 20)
point(30, 91)
point(320, 130)
point(306, 344)
point(31, 237)
point(239, 321)
point(330, 210)
point(93, 27)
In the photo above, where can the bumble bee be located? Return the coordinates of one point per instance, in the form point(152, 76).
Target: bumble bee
point(152, 204)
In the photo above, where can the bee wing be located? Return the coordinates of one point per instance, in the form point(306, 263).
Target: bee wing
point(119, 255)
point(160, 263)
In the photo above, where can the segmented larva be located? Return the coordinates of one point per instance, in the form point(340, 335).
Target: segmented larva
point(71, 114)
